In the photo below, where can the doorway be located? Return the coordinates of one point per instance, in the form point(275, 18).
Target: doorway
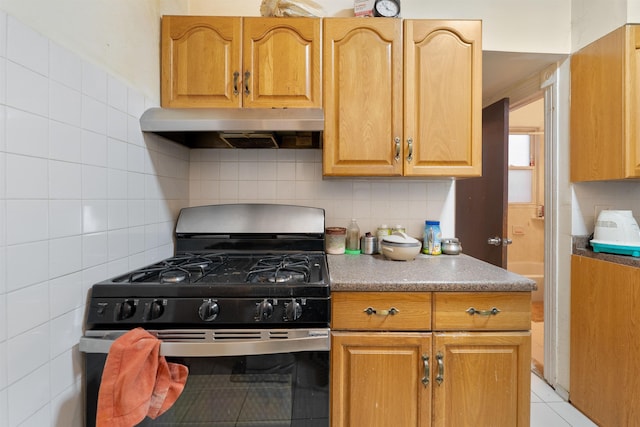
point(526, 211)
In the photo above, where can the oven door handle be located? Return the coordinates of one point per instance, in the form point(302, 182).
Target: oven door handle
point(317, 341)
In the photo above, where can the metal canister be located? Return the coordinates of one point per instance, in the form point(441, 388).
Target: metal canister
point(369, 244)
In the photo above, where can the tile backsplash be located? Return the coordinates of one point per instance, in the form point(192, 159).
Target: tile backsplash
point(295, 177)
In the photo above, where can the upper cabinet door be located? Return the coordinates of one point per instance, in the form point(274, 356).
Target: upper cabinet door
point(241, 62)
point(443, 98)
point(605, 107)
point(200, 55)
point(363, 97)
point(282, 62)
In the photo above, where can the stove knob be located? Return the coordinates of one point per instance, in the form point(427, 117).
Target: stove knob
point(155, 309)
point(209, 310)
point(125, 309)
point(264, 311)
point(292, 311)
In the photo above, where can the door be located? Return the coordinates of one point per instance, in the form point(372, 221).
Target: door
point(362, 97)
point(481, 379)
point(380, 379)
point(481, 203)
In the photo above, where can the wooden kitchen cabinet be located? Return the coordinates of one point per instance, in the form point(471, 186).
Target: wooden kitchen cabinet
point(210, 61)
point(395, 360)
point(605, 341)
point(605, 106)
point(402, 98)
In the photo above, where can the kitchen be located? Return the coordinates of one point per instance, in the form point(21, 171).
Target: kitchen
point(84, 195)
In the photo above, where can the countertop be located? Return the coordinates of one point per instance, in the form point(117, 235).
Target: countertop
point(450, 273)
point(582, 247)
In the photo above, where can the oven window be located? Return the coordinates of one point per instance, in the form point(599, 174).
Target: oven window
point(277, 390)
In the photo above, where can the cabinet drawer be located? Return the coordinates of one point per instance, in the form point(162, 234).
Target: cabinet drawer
point(375, 311)
point(504, 311)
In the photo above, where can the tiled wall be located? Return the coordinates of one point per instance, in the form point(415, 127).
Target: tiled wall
point(295, 177)
point(83, 196)
point(589, 198)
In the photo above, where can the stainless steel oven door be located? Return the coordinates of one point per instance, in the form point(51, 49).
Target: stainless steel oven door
point(248, 378)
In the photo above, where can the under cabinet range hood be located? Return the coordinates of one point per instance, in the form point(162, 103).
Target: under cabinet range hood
point(237, 127)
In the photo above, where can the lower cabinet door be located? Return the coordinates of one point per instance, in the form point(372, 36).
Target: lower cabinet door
point(381, 379)
point(481, 379)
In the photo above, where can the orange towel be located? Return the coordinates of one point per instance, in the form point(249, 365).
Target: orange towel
point(137, 381)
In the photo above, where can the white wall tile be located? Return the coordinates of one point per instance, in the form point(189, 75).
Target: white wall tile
point(95, 216)
point(117, 94)
point(26, 351)
point(118, 244)
point(94, 148)
point(135, 103)
point(27, 90)
point(65, 104)
point(65, 67)
point(65, 294)
point(3, 369)
point(66, 370)
point(94, 183)
point(27, 221)
point(136, 213)
point(117, 214)
point(26, 133)
point(117, 154)
point(136, 240)
point(3, 80)
point(66, 330)
point(94, 249)
point(65, 218)
point(65, 142)
point(117, 183)
point(27, 47)
point(135, 158)
point(94, 82)
point(94, 115)
point(28, 395)
point(65, 256)
point(22, 301)
point(65, 180)
point(135, 186)
point(27, 264)
point(4, 404)
point(3, 33)
point(117, 122)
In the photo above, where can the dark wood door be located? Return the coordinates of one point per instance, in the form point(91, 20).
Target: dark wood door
point(481, 203)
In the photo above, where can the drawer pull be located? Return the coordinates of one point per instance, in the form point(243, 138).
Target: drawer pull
point(493, 312)
point(392, 311)
point(440, 376)
point(425, 364)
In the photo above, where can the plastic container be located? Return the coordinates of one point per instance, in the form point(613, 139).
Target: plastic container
point(353, 238)
point(335, 240)
point(432, 243)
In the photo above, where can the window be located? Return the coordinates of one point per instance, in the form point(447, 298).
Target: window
point(522, 167)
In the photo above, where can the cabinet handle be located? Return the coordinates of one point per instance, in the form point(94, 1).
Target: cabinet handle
point(425, 365)
point(440, 376)
point(246, 82)
point(410, 155)
point(235, 82)
point(396, 140)
point(392, 311)
point(493, 312)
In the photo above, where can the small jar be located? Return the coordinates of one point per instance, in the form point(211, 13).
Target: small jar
point(335, 240)
point(451, 246)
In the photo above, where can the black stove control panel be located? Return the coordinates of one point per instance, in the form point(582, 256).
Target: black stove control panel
point(114, 312)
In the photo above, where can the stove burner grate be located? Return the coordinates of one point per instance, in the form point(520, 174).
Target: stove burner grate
point(187, 268)
point(281, 269)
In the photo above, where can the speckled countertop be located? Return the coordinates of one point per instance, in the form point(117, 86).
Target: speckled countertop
point(451, 273)
point(582, 247)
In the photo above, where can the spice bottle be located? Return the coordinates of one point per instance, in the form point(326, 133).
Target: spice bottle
point(353, 238)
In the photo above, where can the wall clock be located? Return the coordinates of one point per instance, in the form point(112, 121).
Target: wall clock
point(386, 8)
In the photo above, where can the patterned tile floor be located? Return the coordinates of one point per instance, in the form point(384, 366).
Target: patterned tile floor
point(550, 410)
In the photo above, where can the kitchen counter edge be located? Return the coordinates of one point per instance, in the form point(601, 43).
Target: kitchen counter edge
point(442, 273)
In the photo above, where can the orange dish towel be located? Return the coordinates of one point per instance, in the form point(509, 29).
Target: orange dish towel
point(137, 381)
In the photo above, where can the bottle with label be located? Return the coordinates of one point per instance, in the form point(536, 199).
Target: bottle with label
point(353, 238)
point(382, 231)
point(432, 243)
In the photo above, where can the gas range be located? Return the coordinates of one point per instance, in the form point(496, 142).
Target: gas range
point(236, 266)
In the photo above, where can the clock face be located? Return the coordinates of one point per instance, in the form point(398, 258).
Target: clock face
point(387, 8)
